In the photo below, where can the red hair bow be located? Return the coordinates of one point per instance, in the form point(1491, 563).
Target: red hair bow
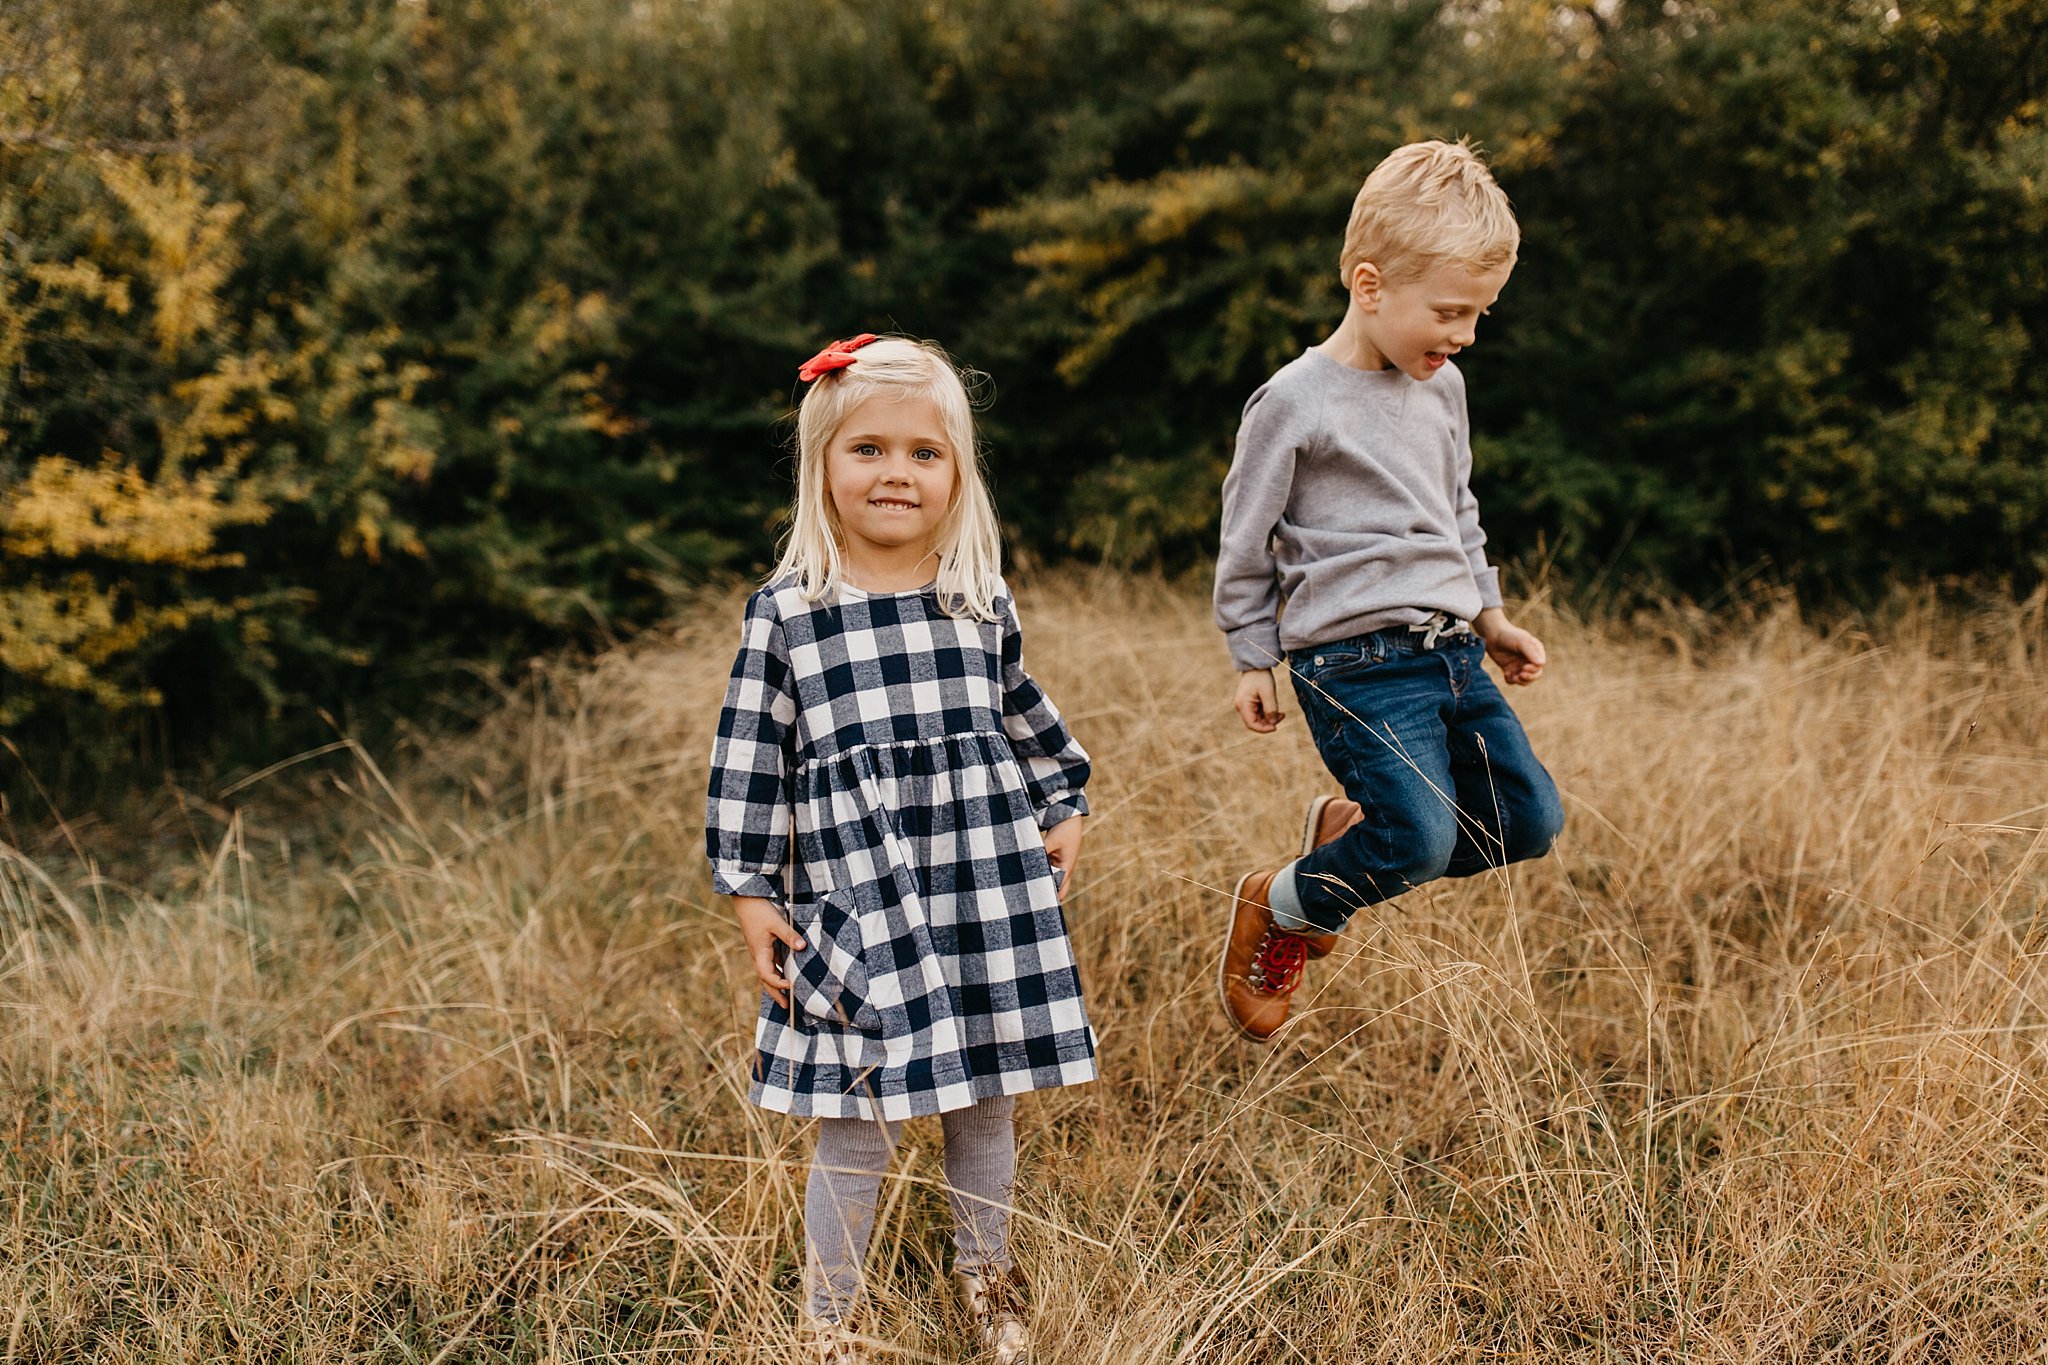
point(837, 356)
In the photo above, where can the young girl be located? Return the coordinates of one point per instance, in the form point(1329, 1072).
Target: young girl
point(912, 953)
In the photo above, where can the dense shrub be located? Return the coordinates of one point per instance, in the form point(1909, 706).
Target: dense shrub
point(346, 344)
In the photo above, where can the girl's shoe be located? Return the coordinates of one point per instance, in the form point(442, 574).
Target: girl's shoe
point(994, 1296)
point(830, 1343)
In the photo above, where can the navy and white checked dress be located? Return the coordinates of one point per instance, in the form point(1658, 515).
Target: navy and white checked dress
point(917, 764)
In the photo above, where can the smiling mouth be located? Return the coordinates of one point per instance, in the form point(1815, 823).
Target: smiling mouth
point(896, 503)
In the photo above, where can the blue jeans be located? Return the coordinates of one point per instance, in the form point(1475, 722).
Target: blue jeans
point(1423, 740)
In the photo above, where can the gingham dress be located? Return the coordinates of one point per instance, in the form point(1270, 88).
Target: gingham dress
point(917, 763)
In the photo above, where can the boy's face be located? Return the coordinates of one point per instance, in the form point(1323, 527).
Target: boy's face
point(890, 472)
point(1418, 325)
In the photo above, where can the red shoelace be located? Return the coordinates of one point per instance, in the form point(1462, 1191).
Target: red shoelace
point(1276, 966)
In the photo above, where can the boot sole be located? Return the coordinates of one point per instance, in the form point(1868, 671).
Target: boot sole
point(1308, 842)
point(1308, 826)
point(1223, 960)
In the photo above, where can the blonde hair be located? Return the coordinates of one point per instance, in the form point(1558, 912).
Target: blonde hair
point(1426, 204)
point(968, 542)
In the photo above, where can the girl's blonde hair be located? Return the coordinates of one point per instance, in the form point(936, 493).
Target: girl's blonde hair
point(968, 543)
point(1428, 203)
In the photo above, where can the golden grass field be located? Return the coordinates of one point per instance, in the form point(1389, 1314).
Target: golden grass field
point(446, 1062)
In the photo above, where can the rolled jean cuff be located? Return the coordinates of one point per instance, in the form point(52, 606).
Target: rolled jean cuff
point(1286, 903)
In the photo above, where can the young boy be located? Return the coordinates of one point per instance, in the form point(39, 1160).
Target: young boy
point(1349, 497)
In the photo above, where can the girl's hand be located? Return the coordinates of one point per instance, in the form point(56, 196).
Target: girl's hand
point(1063, 847)
point(1258, 701)
point(766, 929)
point(1520, 655)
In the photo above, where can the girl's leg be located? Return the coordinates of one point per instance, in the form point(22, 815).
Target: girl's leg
point(981, 1168)
point(839, 1210)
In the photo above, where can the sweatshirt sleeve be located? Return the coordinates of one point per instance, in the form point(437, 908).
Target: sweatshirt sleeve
point(1055, 766)
point(1470, 535)
point(1255, 494)
point(746, 818)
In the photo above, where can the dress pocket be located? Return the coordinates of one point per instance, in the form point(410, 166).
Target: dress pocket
point(829, 974)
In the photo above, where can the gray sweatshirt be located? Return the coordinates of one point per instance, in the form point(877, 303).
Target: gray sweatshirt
point(1350, 498)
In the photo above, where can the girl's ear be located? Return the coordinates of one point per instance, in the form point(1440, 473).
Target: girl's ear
point(1365, 284)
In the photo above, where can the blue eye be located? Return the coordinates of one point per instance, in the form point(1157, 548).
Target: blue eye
point(868, 450)
point(925, 453)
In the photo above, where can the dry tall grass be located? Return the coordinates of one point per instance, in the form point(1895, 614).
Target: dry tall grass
point(1752, 1069)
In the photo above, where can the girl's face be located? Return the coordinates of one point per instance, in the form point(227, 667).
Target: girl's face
point(891, 471)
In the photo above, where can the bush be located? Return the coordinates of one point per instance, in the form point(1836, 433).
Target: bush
point(345, 347)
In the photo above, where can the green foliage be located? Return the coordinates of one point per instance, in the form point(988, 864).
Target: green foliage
point(1783, 276)
point(346, 345)
point(1196, 258)
point(1788, 268)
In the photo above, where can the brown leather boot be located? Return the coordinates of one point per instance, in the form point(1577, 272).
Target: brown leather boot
point(1262, 962)
point(1328, 817)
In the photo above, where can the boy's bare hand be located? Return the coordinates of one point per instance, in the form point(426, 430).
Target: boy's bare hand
point(766, 928)
point(1063, 847)
point(1258, 702)
point(1520, 655)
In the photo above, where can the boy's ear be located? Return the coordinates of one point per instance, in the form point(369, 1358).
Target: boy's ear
point(1365, 284)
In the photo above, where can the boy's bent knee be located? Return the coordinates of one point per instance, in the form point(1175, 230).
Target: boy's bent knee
point(1536, 832)
point(1423, 853)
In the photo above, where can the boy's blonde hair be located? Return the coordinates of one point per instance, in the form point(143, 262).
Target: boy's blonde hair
point(969, 544)
point(1429, 203)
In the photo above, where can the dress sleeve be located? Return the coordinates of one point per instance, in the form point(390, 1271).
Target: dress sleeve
point(746, 817)
point(1055, 767)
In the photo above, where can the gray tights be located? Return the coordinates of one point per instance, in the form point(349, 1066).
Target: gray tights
point(846, 1180)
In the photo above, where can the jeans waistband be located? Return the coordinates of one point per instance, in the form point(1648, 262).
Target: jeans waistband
point(1440, 628)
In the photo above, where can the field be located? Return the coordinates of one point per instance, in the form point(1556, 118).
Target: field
point(446, 1062)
